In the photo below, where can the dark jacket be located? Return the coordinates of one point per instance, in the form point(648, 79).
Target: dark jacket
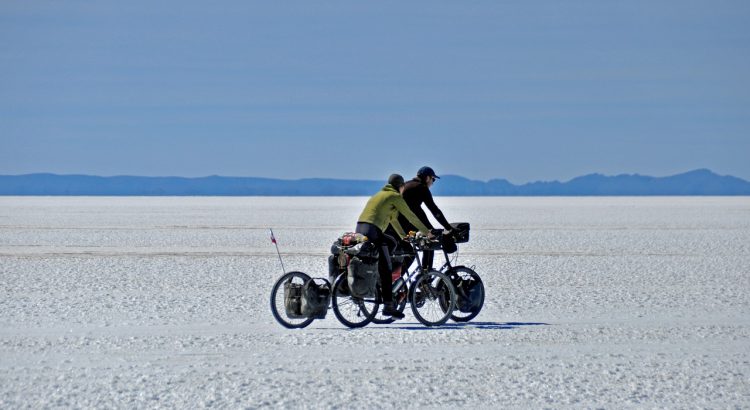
point(415, 194)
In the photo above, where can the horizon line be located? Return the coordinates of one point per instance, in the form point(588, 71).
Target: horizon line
point(364, 180)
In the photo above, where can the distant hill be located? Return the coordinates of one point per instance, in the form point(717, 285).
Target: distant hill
point(698, 182)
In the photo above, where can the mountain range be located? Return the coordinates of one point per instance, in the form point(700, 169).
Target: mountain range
point(697, 182)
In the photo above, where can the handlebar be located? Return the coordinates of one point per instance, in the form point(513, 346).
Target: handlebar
point(421, 241)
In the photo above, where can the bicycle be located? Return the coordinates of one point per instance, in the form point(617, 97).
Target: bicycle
point(430, 293)
point(470, 292)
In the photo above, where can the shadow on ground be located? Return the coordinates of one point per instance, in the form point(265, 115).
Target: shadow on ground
point(468, 325)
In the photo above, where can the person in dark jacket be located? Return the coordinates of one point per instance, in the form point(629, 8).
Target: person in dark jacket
point(417, 192)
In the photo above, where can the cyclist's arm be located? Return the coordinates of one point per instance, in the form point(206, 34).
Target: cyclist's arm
point(403, 208)
point(435, 210)
point(399, 229)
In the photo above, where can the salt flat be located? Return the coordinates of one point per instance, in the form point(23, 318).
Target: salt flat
point(163, 302)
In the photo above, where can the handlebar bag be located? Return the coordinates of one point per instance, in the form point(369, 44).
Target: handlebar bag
point(460, 232)
point(448, 243)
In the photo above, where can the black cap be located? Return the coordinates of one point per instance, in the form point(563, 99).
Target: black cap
point(426, 172)
point(396, 180)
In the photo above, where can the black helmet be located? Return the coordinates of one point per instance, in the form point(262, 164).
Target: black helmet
point(396, 180)
point(426, 172)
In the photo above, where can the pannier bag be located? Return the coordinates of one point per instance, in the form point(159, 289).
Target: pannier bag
point(460, 232)
point(362, 278)
point(293, 300)
point(468, 295)
point(316, 296)
point(333, 268)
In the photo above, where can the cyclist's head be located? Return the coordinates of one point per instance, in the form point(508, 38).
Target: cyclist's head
point(396, 181)
point(426, 172)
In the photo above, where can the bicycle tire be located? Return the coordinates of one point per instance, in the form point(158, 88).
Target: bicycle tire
point(350, 311)
point(431, 293)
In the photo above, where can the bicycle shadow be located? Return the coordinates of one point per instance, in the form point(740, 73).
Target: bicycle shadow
point(467, 325)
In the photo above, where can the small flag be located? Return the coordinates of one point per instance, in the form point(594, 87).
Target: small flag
point(273, 239)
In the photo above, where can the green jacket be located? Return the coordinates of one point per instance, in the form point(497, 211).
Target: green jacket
point(384, 208)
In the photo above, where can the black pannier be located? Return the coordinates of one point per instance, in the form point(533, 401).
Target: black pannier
point(468, 295)
point(293, 300)
point(460, 232)
point(362, 278)
point(333, 268)
point(316, 296)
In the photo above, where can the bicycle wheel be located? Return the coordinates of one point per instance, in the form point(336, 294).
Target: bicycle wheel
point(285, 311)
point(469, 293)
point(432, 298)
point(350, 311)
point(400, 299)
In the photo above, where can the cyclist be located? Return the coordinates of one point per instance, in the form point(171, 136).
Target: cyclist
point(417, 192)
point(383, 210)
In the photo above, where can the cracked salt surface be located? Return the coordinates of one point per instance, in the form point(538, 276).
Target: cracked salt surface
point(163, 302)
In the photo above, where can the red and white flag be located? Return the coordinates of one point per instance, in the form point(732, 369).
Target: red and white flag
point(273, 239)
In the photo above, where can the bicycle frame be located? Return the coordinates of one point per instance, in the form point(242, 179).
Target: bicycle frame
point(410, 276)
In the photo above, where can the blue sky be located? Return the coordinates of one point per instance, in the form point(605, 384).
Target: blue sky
point(485, 89)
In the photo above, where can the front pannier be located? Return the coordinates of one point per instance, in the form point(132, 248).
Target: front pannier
point(460, 232)
point(362, 278)
point(293, 300)
point(468, 295)
point(316, 296)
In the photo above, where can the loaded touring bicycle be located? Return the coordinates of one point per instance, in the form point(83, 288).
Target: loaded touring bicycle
point(352, 289)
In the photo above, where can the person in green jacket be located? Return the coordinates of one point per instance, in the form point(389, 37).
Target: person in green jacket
point(382, 210)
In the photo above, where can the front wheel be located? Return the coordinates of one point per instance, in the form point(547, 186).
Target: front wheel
point(350, 311)
point(469, 293)
point(432, 298)
point(286, 300)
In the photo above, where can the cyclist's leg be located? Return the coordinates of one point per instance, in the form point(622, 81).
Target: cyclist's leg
point(376, 236)
point(384, 268)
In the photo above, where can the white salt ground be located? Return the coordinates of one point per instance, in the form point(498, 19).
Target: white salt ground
point(163, 302)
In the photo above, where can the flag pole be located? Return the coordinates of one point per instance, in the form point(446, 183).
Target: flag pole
point(273, 239)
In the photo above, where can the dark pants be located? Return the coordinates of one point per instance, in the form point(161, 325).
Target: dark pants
point(385, 244)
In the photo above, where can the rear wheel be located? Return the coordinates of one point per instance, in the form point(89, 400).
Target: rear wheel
point(286, 311)
point(350, 311)
point(432, 298)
